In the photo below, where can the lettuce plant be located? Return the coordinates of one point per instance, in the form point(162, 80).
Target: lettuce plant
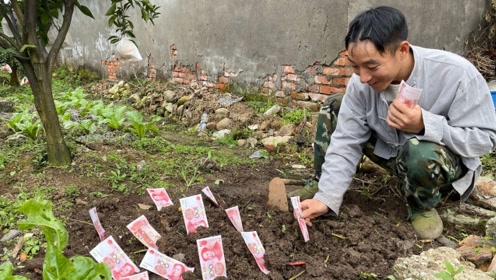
point(55, 264)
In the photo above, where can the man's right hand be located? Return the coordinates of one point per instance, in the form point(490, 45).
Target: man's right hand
point(312, 208)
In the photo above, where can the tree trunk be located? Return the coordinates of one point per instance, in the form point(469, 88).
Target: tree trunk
point(57, 150)
point(14, 78)
point(39, 72)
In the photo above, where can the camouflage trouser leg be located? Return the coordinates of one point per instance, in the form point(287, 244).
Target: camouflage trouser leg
point(427, 169)
point(326, 124)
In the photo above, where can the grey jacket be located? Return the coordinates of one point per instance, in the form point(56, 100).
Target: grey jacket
point(457, 111)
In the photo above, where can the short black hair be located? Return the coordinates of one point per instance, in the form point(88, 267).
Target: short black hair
point(384, 26)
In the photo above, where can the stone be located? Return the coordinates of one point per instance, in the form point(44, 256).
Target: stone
point(169, 96)
point(221, 113)
point(252, 142)
point(484, 193)
point(6, 106)
point(491, 228)
point(270, 143)
point(277, 195)
point(476, 249)
point(431, 262)
point(225, 123)
point(241, 142)
point(286, 130)
point(13, 233)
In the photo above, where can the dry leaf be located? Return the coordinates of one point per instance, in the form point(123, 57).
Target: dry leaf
point(23, 257)
point(144, 206)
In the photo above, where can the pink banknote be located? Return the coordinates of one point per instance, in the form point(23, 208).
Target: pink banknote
point(210, 195)
point(256, 248)
point(408, 95)
point(144, 232)
point(295, 201)
point(212, 261)
point(160, 198)
point(97, 224)
point(139, 276)
point(193, 213)
point(164, 266)
point(235, 217)
point(110, 253)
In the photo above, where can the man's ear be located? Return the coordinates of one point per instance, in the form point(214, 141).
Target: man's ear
point(404, 48)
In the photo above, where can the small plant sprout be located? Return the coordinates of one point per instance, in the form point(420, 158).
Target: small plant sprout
point(450, 272)
point(269, 216)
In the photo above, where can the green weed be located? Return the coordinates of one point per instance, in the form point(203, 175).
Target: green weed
point(450, 272)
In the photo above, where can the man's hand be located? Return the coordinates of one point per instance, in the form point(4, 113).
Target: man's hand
point(404, 118)
point(312, 208)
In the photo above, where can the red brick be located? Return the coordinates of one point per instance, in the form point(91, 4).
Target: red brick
point(313, 88)
point(191, 76)
point(282, 101)
point(299, 95)
point(321, 80)
point(181, 74)
point(311, 69)
point(347, 71)
point(270, 85)
point(341, 61)
point(339, 81)
point(330, 89)
point(293, 77)
point(288, 69)
point(288, 85)
point(331, 71)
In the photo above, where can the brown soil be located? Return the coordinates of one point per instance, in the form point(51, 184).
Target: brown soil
point(366, 239)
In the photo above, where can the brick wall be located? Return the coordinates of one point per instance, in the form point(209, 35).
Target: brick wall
point(307, 87)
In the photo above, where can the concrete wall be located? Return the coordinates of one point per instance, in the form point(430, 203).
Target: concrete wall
point(253, 41)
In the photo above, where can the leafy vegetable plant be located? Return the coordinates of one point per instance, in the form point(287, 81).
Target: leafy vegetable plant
point(56, 265)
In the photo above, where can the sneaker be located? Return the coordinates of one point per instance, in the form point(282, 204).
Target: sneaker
point(427, 224)
point(308, 191)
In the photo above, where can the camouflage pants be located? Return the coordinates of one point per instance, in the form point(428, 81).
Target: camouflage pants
point(427, 169)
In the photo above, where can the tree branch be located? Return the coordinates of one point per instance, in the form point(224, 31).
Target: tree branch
point(31, 31)
point(62, 32)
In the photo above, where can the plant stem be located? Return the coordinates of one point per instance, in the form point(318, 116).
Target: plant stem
point(297, 275)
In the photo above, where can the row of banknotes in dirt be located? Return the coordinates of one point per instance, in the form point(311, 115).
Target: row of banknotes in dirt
point(210, 250)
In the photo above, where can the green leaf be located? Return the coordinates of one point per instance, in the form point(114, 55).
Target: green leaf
point(111, 10)
point(449, 267)
point(85, 10)
point(144, 15)
point(56, 265)
point(111, 20)
point(45, 18)
point(6, 273)
point(39, 213)
point(86, 268)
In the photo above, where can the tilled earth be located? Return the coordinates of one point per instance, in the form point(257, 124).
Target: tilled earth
point(366, 239)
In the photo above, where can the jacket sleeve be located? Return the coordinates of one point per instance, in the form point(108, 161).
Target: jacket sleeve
point(469, 129)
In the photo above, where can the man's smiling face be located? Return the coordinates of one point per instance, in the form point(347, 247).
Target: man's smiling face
point(376, 69)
